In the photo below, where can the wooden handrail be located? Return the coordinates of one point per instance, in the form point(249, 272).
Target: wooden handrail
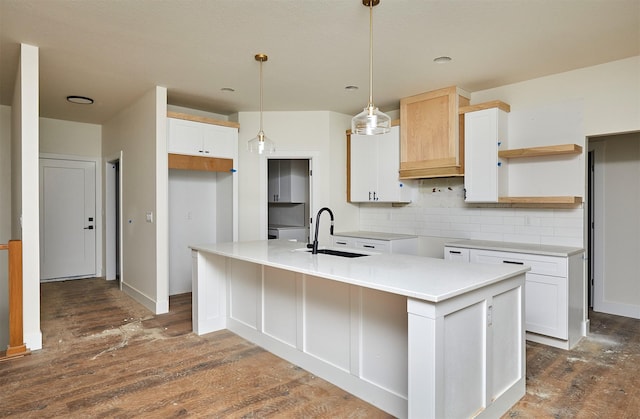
point(16, 339)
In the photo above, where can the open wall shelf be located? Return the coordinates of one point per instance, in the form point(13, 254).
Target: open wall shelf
point(552, 150)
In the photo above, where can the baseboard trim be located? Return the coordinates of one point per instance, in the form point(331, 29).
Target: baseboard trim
point(140, 297)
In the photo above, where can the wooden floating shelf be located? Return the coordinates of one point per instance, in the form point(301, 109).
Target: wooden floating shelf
point(552, 150)
point(203, 119)
point(203, 164)
point(541, 200)
point(486, 105)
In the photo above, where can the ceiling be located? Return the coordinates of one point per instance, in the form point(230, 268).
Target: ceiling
point(115, 51)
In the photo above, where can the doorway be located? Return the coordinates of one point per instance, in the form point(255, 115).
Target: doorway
point(68, 222)
point(289, 198)
point(113, 224)
point(613, 224)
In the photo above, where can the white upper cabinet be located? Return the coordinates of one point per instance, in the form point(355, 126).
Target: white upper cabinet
point(288, 180)
point(485, 133)
point(374, 168)
point(201, 139)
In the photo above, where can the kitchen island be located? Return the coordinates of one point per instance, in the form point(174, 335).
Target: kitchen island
point(414, 336)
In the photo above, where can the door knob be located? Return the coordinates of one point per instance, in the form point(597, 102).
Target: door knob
point(89, 228)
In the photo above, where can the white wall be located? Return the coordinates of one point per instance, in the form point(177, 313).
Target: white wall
point(25, 193)
point(301, 134)
point(608, 91)
point(139, 131)
point(71, 138)
point(617, 225)
point(5, 218)
point(192, 219)
point(196, 112)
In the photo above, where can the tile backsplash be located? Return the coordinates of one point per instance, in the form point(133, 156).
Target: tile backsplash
point(439, 210)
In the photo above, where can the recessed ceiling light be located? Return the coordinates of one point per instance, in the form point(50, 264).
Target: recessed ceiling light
point(351, 88)
point(81, 100)
point(227, 89)
point(442, 60)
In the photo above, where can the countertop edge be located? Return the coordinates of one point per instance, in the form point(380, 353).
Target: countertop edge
point(542, 250)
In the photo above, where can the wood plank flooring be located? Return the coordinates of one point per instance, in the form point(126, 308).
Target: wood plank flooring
point(107, 356)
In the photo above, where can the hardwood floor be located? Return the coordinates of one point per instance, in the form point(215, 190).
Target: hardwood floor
point(107, 356)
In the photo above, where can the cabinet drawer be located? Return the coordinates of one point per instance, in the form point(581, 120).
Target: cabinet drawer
point(456, 254)
point(543, 265)
point(340, 241)
point(373, 245)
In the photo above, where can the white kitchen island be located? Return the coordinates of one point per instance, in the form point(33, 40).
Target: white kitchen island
point(417, 337)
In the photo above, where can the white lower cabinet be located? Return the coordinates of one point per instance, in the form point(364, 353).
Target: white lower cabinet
point(456, 254)
point(554, 292)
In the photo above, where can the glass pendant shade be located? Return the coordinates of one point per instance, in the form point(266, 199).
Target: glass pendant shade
point(261, 144)
point(370, 121)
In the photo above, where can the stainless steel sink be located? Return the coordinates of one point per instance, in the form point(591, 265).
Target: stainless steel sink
point(340, 253)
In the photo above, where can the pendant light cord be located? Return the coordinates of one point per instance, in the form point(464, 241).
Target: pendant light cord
point(370, 53)
point(261, 61)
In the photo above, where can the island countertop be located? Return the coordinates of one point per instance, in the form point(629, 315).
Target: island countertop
point(423, 278)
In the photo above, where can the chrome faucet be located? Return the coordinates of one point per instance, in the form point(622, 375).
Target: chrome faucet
point(314, 246)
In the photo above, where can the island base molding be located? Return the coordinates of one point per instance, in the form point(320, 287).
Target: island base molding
point(464, 356)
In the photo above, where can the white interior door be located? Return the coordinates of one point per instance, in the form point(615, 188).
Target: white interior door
point(67, 219)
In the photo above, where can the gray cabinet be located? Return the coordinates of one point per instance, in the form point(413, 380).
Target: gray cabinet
point(288, 180)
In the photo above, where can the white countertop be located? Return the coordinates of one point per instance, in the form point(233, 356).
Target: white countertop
point(536, 249)
point(375, 235)
point(418, 277)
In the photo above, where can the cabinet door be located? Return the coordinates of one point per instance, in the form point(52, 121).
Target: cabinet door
point(293, 180)
point(274, 180)
point(389, 187)
point(546, 305)
point(364, 158)
point(185, 137)
point(430, 138)
point(485, 175)
point(220, 141)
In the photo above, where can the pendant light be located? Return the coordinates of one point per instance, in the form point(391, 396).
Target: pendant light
point(370, 121)
point(260, 143)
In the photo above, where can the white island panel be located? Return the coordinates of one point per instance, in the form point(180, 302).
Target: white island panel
point(326, 321)
point(384, 340)
point(244, 292)
point(280, 305)
point(506, 329)
point(464, 361)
